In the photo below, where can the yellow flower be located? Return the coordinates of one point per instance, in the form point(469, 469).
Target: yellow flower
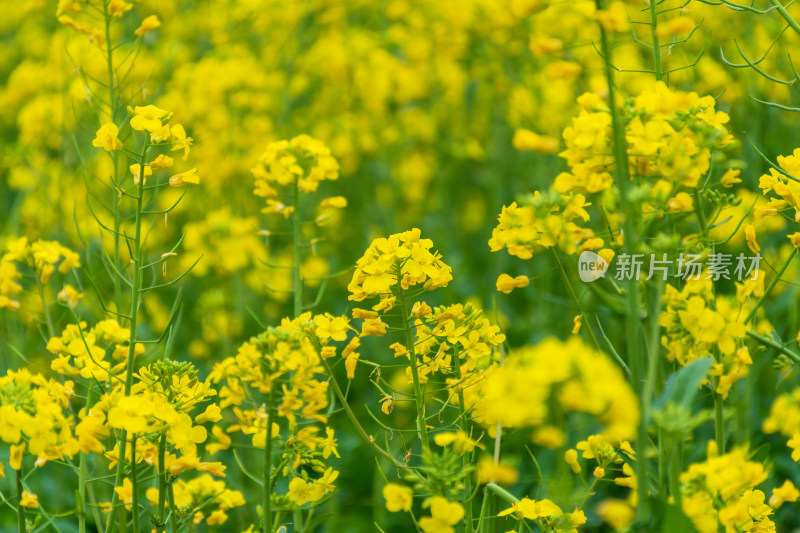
point(125, 493)
point(730, 178)
point(616, 513)
point(117, 8)
point(526, 140)
point(148, 118)
point(398, 497)
point(106, 138)
point(680, 203)
point(29, 500)
point(795, 238)
point(331, 327)
point(459, 439)
point(15, 459)
point(211, 414)
point(532, 509)
point(162, 161)
point(403, 259)
point(180, 141)
point(302, 491)
point(179, 180)
point(500, 473)
point(137, 175)
point(571, 457)
point(445, 514)
point(149, 23)
point(577, 321)
point(785, 493)
point(506, 283)
point(750, 236)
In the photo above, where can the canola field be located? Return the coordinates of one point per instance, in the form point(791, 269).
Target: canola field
point(399, 266)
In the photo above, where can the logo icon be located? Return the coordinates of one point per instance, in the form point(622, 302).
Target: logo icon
point(591, 266)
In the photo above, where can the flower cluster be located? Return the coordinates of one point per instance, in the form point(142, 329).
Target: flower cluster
point(548, 220)
point(302, 162)
point(697, 324)
point(670, 136)
point(577, 377)
point(722, 493)
point(274, 384)
point(398, 262)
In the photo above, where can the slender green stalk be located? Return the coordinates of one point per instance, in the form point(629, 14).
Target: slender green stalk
point(794, 356)
point(267, 489)
point(420, 399)
point(719, 419)
point(173, 512)
point(359, 428)
point(112, 109)
point(134, 485)
point(675, 474)
point(20, 509)
point(161, 525)
point(656, 45)
point(297, 280)
point(51, 330)
point(462, 413)
point(81, 503)
point(633, 322)
point(134, 311)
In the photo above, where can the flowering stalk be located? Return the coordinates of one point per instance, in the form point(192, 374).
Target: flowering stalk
point(20, 509)
point(162, 484)
point(462, 414)
point(297, 280)
point(633, 315)
point(134, 485)
point(112, 111)
point(267, 489)
point(420, 399)
point(134, 311)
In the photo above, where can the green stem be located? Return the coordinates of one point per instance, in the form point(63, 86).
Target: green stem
point(112, 108)
point(675, 474)
point(656, 45)
point(20, 509)
point(418, 395)
point(794, 356)
point(786, 16)
point(267, 489)
point(719, 419)
point(173, 512)
point(81, 503)
point(466, 457)
point(162, 484)
point(51, 330)
point(134, 485)
point(297, 282)
point(633, 324)
point(134, 311)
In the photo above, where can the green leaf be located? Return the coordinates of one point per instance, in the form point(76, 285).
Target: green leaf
point(683, 386)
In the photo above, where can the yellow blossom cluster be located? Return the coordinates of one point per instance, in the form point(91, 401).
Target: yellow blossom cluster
point(302, 162)
point(398, 262)
point(274, 384)
point(670, 136)
point(548, 220)
point(572, 373)
point(697, 324)
point(721, 493)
